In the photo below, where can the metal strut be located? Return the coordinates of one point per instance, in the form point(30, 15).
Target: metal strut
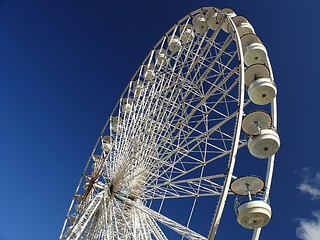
point(177, 227)
point(85, 218)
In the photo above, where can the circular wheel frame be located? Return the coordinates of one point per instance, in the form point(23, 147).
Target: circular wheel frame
point(173, 143)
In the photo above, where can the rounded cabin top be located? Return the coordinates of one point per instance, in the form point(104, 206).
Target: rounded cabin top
point(174, 43)
point(248, 39)
point(255, 121)
point(223, 19)
point(246, 185)
point(256, 71)
point(200, 23)
point(212, 19)
point(186, 33)
point(242, 24)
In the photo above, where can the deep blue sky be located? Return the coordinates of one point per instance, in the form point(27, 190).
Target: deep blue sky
point(64, 64)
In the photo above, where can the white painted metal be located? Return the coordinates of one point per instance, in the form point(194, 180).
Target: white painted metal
point(115, 124)
point(256, 71)
point(138, 87)
point(224, 18)
point(174, 44)
point(248, 39)
point(200, 23)
point(243, 26)
point(212, 19)
point(262, 91)
point(175, 135)
point(232, 159)
point(149, 72)
point(126, 105)
point(255, 121)
point(79, 227)
point(254, 214)
point(161, 56)
point(271, 160)
point(240, 185)
point(182, 230)
point(252, 206)
point(255, 53)
point(265, 144)
point(106, 143)
point(186, 33)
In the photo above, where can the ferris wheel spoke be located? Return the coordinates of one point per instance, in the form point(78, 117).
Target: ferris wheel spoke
point(157, 232)
point(184, 133)
point(85, 219)
point(147, 110)
point(196, 187)
point(194, 201)
point(205, 49)
point(147, 229)
point(215, 60)
point(212, 90)
point(203, 74)
point(114, 231)
point(177, 227)
point(123, 221)
point(194, 142)
point(160, 177)
point(208, 111)
point(106, 226)
point(199, 138)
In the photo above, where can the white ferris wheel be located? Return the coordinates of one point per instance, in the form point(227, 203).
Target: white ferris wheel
point(164, 164)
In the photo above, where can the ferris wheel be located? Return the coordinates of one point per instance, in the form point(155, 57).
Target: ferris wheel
point(165, 162)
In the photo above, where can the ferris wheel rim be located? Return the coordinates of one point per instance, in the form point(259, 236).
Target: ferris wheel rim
point(238, 114)
point(148, 56)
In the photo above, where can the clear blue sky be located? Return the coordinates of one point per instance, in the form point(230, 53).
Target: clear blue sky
point(64, 64)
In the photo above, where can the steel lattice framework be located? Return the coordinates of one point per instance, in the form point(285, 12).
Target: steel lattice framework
point(170, 142)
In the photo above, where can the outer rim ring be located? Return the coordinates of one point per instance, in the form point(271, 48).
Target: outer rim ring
point(231, 162)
